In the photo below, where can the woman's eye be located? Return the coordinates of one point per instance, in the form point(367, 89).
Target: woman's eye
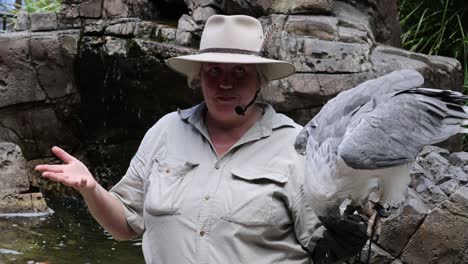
point(239, 72)
point(214, 71)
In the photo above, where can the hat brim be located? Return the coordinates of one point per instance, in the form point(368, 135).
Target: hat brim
point(190, 64)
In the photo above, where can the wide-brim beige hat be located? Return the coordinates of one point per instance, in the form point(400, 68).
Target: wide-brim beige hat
point(232, 39)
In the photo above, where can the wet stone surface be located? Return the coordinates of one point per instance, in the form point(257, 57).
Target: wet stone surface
point(70, 236)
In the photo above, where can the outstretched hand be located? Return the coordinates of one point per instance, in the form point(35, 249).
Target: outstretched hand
point(72, 173)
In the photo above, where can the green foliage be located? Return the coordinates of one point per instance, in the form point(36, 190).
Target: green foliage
point(31, 6)
point(34, 6)
point(433, 27)
point(465, 61)
point(436, 27)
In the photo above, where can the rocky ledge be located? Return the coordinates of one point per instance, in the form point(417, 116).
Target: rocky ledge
point(431, 226)
point(17, 198)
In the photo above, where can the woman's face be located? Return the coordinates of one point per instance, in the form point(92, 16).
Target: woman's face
point(227, 85)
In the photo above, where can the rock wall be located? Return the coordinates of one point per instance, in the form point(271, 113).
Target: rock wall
point(94, 76)
point(93, 79)
point(16, 194)
point(431, 226)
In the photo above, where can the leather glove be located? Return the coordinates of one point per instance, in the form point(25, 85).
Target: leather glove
point(345, 237)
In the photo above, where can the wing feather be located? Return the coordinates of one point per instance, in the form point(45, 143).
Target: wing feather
point(399, 126)
point(333, 118)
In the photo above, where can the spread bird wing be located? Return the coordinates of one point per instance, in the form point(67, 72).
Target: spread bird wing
point(362, 139)
point(392, 130)
point(334, 116)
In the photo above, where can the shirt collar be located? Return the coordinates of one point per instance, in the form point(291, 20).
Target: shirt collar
point(262, 128)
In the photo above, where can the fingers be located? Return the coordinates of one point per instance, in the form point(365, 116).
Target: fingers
point(62, 154)
point(54, 176)
point(62, 178)
point(51, 168)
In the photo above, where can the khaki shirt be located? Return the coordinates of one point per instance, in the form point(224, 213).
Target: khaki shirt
point(195, 207)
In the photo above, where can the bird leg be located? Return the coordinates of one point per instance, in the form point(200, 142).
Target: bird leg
point(366, 210)
point(360, 209)
point(374, 213)
point(374, 227)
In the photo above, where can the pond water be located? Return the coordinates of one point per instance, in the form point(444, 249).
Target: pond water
point(70, 235)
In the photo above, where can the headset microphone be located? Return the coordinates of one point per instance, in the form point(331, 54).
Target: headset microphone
point(241, 110)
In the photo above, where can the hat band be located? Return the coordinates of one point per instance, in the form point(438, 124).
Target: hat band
point(235, 51)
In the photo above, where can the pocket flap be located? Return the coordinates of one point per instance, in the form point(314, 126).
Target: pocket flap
point(186, 162)
point(174, 166)
point(255, 173)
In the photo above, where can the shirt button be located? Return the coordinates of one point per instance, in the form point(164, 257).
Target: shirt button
point(202, 233)
point(207, 197)
point(216, 166)
point(168, 170)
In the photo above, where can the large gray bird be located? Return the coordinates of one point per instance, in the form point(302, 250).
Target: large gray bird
point(363, 139)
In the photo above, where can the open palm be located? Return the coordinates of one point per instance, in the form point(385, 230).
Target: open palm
point(73, 173)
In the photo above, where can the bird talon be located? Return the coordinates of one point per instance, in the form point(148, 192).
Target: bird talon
point(350, 209)
point(374, 226)
point(384, 213)
point(370, 224)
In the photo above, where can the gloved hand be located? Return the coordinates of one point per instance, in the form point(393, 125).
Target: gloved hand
point(345, 237)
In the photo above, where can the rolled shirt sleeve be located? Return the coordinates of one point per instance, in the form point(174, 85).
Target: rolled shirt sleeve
point(130, 190)
point(307, 226)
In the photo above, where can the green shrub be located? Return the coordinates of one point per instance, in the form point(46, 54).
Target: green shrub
point(31, 6)
point(433, 27)
point(436, 27)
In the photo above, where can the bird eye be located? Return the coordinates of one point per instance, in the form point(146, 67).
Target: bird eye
point(312, 124)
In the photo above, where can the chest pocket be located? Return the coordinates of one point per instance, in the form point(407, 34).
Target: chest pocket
point(168, 181)
point(252, 196)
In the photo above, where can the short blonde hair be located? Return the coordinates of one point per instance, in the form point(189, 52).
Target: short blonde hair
point(194, 81)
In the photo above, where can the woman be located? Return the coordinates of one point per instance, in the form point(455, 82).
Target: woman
point(220, 182)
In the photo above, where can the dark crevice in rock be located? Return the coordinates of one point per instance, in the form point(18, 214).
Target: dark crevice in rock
point(465, 253)
point(23, 106)
point(32, 189)
point(12, 130)
point(322, 92)
point(118, 36)
point(412, 235)
point(335, 72)
point(457, 214)
point(370, 61)
point(215, 7)
point(34, 65)
point(169, 10)
point(123, 20)
point(255, 12)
